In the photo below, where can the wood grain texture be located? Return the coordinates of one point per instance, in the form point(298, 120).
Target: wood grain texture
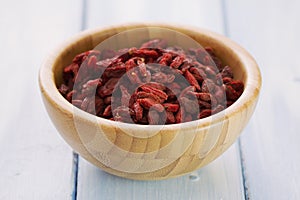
point(35, 162)
point(270, 145)
point(96, 184)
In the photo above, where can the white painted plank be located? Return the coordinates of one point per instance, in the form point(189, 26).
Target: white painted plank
point(221, 179)
point(270, 145)
point(205, 14)
point(35, 163)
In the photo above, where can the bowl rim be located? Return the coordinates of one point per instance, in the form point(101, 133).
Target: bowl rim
point(252, 83)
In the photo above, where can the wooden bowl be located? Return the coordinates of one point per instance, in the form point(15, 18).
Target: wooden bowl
point(149, 152)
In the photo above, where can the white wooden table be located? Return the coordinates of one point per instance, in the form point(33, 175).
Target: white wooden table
point(35, 163)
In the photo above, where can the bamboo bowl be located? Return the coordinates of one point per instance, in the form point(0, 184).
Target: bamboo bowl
point(155, 151)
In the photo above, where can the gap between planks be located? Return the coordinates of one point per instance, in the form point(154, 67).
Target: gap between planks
point(193, 177)
point(241, 156)
point(75, 164)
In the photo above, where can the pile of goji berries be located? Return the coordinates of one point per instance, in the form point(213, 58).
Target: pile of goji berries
point(153, 84)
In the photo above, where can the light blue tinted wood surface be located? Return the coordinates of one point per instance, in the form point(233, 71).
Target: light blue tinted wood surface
point(219, 180)
point(35, 163)
point(270, 30)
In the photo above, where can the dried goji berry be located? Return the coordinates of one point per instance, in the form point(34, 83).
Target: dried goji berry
point(161, 94)
point(171, 107)
point(204, 113)
point(138, 111)
point(168, 84)
point(170, 118)
point(178, 60)
point(192, 80)
point(107, 111)
point(166, 59)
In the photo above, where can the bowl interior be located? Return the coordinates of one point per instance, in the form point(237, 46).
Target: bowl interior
point(242, 64)
point(135, 36)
